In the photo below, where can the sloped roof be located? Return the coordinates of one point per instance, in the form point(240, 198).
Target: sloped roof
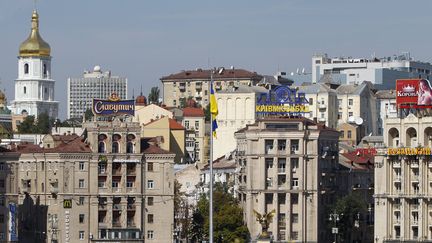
point(174, 125)
point(241, 88)
point(354, 88)
point(72, 146)
point(315, 88)
point(386, 94)
point(193, 112)
point(153, 149)
point(205, 74)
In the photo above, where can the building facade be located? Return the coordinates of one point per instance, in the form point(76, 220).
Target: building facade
point(104, 186)
point(386, 100)
point(93, 85)
point(195, 84)
point(382, 72)
point(403, 188)
point(288, 165)
point(34, 87)
point(194, 124)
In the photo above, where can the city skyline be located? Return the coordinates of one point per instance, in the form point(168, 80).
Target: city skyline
point(145, 41)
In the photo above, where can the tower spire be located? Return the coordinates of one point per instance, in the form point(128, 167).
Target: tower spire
point(141, 90)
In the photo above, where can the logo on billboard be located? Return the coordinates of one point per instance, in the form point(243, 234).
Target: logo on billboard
point(282, 100)
point(413, 93)
point(67, 203)
point(113, 106)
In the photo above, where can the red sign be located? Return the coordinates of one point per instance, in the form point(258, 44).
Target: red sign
point(413, 93)
point(366, 151)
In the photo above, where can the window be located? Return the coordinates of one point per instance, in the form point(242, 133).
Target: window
point(129, 184)
point(174, 102)
point(26, 69)
point(150, 184)
point(115, 147)
point(349, 134)
point(294, 183)
point(281, 144)
point(25, 90)
point(294, 163)
point(101, 183)
point(101, 147)
point(44, 69)
point(81, 235)
point(350, 101)
point(81, 218)
point(294, 218)
point(2, 236)
point(81, 183)
point(115, 184)
point(1, 218)
point(350, 113)
point(269, 163)
point(268, 145)
point(2, 201)
point(310, 101)
point(397, 232)
point(2, 166)
point(2, 183)
point(186, 124)
point(342, 134)
point(339, 102)
point(196, 125)
point(81, 166)
point(149, 166)
point(339, 115)
point(294, 145)
point(150, 234)
point(129, 148)
point(294, 198)
point(150, 201)
point(294, 235)
point(415, 232)
point(46, 90)
point(281, 165)
point(81, 201)
point(150, 218)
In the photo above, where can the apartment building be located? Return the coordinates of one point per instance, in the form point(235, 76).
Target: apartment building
point(386, 100)
point(288, 165)
point(106, 185)
point(195, 84)
point(194, 124)
point(403, 184)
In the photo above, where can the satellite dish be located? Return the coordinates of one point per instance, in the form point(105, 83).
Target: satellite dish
point(358, 121)
point(351, 119)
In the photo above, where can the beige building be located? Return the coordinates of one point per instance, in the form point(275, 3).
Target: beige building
point(236, 110)
point(172, 133)
point(403, 182)
point(195, 83)
point(288, 165)
point(322, 103)
point(147, 113)
point(350, 133)
point(194, 123)
point(104, 186)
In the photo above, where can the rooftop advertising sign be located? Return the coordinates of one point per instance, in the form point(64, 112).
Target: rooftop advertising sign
point(409, 151)
point(282, 100)
point(113, 106)
point(413, 93)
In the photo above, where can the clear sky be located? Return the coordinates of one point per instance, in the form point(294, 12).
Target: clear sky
point(145, 40)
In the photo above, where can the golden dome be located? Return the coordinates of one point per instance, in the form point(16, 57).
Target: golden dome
point(34, 45)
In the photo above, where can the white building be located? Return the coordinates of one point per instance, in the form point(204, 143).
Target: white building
point(34, 87)
point(322, 102)
point(382, 72)
point(387, 107)
point(94, 85)
point(236, 110)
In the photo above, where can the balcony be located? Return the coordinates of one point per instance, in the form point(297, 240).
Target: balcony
point(281, 170)
point(396, 164)
point(116, 223)
point(103, 225)
point(414, 164)
point(397, 179)
point(322, 106)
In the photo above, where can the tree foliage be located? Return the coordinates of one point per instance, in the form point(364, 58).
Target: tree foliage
point(88, 115)
point(228, 222)
point(207, 113)
point(42, 125)
point(153, 96)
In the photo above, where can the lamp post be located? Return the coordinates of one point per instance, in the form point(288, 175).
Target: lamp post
point(334, 217)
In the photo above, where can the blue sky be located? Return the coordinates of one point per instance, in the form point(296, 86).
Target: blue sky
point(145, 40)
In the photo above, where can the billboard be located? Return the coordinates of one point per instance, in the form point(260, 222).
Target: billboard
point(13, 234)
point(113, 106)
point(282, 100)
point(413, 93)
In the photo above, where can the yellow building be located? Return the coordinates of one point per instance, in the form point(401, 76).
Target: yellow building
point(173, 135)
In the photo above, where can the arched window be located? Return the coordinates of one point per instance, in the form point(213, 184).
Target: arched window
point(44, 70)
point(25, 90)
point(130, 143)
point(101, 143)
point(115, 143)
point(26, 68)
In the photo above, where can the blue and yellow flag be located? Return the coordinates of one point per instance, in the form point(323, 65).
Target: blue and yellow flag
point(213, 109)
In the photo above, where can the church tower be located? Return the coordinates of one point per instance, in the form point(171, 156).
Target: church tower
point(34, 88)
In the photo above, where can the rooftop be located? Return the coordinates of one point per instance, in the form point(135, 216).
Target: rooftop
point(193, 112)
point(199, 73)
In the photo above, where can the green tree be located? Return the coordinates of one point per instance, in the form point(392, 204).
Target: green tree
point(88, 115)
point(44, 123)
point(350, 209)
point(153, 97)
point(207, 113)
point(228, 222)
point(27, 125)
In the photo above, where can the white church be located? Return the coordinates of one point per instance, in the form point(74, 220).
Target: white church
point(34, 88)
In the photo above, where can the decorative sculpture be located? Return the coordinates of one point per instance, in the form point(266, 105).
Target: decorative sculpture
point(264, 220)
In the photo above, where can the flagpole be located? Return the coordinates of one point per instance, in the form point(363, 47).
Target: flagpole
point(211, 164)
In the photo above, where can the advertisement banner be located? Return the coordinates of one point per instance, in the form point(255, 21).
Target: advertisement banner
point(413, 93)
point(13, 235)
point(113, 107)
point(282, 100)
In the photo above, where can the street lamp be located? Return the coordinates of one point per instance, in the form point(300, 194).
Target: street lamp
point(334, 217)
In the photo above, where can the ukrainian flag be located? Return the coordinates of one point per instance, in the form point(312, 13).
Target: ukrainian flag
point(213, 109)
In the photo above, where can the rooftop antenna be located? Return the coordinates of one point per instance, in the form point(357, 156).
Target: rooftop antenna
point(133, 93)
point(141, 90)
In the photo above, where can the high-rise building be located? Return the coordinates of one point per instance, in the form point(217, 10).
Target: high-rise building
point(93, 85)
point(288, 165)
point(34, 87)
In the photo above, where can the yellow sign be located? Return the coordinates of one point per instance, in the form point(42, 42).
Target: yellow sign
point(409, 151)
point(282, 108)
point(67, 203)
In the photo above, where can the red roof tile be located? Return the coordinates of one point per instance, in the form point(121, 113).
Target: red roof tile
point(73, 146)
point(153, 149)
point(174, 125)
point(193, 112)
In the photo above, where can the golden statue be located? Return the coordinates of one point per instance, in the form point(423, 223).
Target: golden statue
point(264, 221)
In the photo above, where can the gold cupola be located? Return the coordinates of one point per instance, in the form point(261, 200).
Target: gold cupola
point(34, 46)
